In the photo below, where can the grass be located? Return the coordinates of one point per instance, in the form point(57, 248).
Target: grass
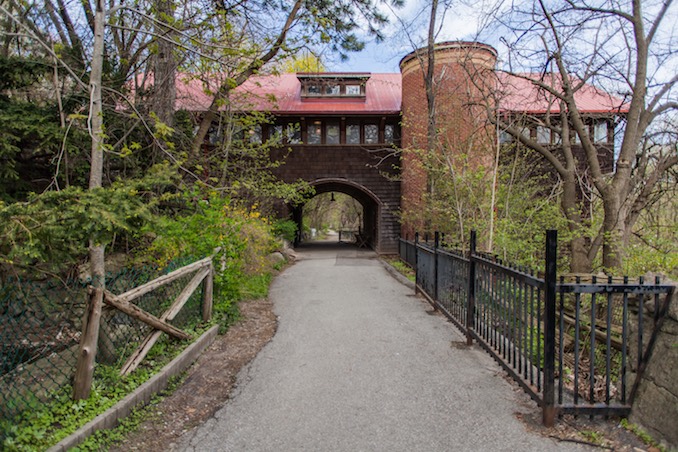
point(641, 434)
point(401, 267)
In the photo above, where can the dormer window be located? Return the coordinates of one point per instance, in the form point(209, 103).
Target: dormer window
point(353, 90)
point(321, 85)
point(332, 90)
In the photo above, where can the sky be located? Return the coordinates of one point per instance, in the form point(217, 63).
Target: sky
point(463, 22)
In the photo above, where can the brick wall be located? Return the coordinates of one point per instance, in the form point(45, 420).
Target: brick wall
point(463, 73)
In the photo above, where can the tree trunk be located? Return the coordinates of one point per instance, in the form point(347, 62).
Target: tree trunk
point(613, 231)
point(579, 259)
point(429, 82)
point(164, 93)
point(89, 341)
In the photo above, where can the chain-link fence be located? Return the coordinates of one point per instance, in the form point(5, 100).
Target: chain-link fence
point(41, 324)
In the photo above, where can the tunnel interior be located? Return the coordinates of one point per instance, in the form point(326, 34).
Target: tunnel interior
point(370, 209)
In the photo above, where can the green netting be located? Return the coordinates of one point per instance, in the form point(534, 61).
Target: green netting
point(41, 323)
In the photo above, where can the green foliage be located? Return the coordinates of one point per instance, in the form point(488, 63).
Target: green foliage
point(641, 434)
point(32, 145)
point(592, 436)
point(653, 247)
point(402, 268)
point(287, 229)
point(103, 439)
point(242, 165)
point(239, 238)
point(49, 423)
point(305, 62)
point(30, 141)
point(54, 227)
point(17, 73)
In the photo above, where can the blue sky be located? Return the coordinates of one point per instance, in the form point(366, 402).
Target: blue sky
point(462, 22)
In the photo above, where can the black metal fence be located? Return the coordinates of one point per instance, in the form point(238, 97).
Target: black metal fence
point(577, 346)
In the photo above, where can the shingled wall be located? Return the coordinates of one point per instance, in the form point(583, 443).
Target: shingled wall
point(359, 172)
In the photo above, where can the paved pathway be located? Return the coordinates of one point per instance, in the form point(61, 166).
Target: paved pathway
point(358, 364)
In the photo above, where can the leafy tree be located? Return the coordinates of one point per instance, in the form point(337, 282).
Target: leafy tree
point(304, 62)
point(622, 48)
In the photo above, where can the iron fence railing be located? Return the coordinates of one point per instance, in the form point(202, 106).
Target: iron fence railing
point(41, 327)
point(572, 345)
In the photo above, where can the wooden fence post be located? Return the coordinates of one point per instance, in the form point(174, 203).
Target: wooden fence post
point(82, 383)
point(207, 295)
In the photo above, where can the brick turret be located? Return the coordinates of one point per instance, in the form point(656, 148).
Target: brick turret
point(463, 76)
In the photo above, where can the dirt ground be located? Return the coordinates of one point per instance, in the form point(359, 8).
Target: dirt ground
point(210, 380)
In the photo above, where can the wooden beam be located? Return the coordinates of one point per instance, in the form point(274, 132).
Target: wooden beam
point(143, 316)
point(140, 353)
point(165, 279)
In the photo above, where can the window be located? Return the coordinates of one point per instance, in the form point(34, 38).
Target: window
point(332, 90)
point(543, 135)
point(353, 90)
point(353, 134)
point(577, 139)
point(557, 139)
point(371, 133)
point(600, 132)
point(389, 133)
point(293, 133)
point(214, 135)
point(332, 133)
point(346, 85)
point(505, 137)
point(315, 132)
point(255, 134)
point(276, 133)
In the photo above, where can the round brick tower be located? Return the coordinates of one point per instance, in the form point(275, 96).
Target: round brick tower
point(463, 77)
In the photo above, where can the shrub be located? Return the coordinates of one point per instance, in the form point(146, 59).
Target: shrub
point(238, 237)
point(287, 229)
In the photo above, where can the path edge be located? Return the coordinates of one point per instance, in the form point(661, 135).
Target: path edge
point(140, 396)
point(396, 274)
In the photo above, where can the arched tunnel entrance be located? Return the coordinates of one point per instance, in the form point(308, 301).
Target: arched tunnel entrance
point(368, 228)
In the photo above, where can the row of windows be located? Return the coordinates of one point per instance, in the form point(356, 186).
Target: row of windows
point(332, 87)
point(333, 90)
point(318, 132)
point(598, 130)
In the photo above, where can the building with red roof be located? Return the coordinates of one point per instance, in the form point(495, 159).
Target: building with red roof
point(343, 129)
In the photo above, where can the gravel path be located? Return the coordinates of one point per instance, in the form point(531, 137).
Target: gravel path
point(360, 364)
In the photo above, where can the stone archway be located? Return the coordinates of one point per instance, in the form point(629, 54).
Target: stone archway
point(372, 207)
point(371, 177)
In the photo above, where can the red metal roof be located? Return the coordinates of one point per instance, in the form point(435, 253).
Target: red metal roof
point(281, 94)
point(521, 95)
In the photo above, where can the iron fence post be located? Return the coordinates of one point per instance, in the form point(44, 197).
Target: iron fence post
point(436, 243)
point(416, 262)
point(548, 407)
point(471, 305)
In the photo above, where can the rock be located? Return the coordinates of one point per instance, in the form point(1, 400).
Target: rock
point(290, 254)
point(276, 257)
